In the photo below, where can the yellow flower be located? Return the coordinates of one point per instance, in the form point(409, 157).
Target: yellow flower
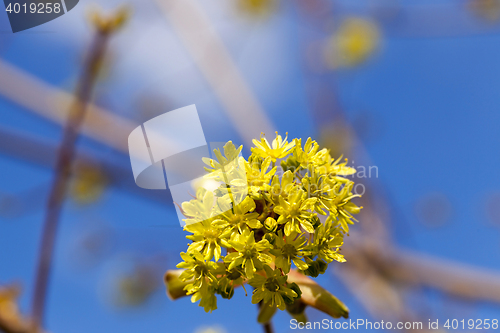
point(340, 206)
point(258, 176)
point(89, 183)
point(289, 249)
point(250, 254)
point(306, 155)
point(354, 42)
point(206, 239)
point(327, 165)
point(272, 289)
point(327, 241)
point(199, 209)
point(295, 212)
point(238, 218)
point(280, 147)
point(201, 273)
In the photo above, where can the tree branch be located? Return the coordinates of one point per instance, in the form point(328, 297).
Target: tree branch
point(64, 161)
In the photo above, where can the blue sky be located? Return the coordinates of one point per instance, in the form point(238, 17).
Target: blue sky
point(433, 101)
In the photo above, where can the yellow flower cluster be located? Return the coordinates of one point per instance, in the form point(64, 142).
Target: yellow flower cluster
point(264, 218)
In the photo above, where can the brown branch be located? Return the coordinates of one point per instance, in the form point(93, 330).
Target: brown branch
point(267, 327)
point(415, 269)
point(461, 280)
point(86, 83)
point(52, 103)
point(42, 152)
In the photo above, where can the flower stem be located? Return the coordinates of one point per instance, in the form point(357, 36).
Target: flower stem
point(268, 327)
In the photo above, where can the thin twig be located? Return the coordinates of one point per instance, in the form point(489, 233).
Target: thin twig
point(63, 168)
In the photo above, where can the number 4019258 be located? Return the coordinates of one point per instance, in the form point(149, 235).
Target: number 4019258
point(34, 8)
point(477, 324)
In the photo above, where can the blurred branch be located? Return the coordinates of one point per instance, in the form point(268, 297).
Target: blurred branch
point(209, 53)
point(104, 28)
point(42, 152)
point(25, 146)
point(50, 102)
point(412, 268)
point(377, 275)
